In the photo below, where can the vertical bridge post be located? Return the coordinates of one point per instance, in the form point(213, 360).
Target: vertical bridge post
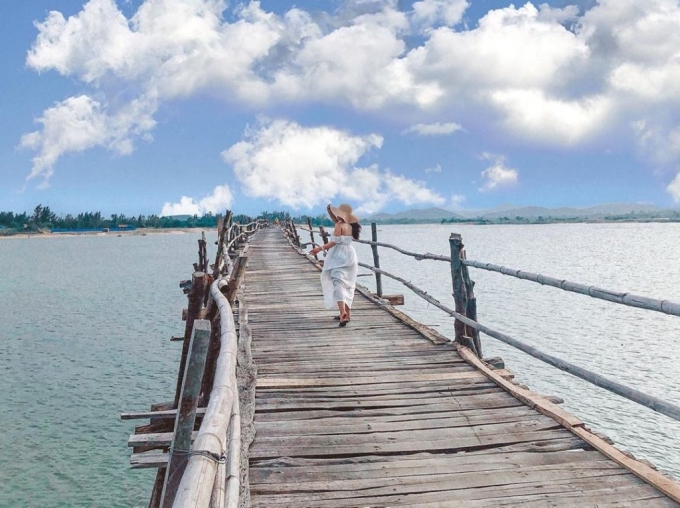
point(460, 293)
point(193, 309)
point(311, 234)
point(376, 260)
point(186, 411)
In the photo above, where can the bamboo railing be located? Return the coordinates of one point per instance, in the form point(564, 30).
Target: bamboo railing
point(207, 472)
point(467, 328)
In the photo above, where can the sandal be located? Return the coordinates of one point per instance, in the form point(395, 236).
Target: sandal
point(343, 323)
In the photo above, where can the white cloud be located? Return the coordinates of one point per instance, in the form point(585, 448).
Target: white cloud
point(434, 12)
point(434, 129)
point(456, 201)
point(674, 188)
point(510, 48)
point(658, 141)
point(532, 114)
point(437, 168)
point(79, 123)
point(548, 75)
point(498, 174)
point(302, 167)
point(220, 200)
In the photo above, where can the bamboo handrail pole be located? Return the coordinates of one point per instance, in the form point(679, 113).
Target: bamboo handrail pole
point(642, 302)
point(196, 486)
point(660, 406)
point(418, 257)
point(233, 482)
point(217, 498)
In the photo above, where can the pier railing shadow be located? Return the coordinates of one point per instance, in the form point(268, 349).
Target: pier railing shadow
point(468, 329)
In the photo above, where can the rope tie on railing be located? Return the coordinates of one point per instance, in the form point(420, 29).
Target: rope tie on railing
point(219, 459)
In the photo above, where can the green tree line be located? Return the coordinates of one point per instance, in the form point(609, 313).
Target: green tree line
point(44, 218)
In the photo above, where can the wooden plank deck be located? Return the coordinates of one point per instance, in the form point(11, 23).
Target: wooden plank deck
point(376, 415)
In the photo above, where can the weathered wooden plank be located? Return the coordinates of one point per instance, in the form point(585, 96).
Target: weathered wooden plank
point(290, 470)
point(404, 436)
point(349, 381)
point(487, 402)
point(463, 487)
point(154, 439)
point(571, 492)
point(330, 427)
point(448, 445)
point(451, 479)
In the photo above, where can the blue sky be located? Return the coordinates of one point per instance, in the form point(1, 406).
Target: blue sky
point(190, 106)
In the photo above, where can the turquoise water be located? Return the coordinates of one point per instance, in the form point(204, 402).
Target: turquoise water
point(86, 323)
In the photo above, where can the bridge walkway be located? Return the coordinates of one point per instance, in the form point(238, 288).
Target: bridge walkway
point(375, 414)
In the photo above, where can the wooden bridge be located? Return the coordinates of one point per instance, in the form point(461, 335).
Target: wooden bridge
point(384, 412)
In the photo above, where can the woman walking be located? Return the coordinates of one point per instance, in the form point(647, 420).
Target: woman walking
point(339, 275)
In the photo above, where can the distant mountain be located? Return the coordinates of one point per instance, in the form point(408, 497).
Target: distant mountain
point(425, 215)
point(599, 211)
point(512, 212)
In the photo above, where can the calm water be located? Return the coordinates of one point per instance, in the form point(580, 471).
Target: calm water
point(86, 323)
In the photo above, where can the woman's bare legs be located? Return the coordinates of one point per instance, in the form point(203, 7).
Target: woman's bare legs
point(344, 312)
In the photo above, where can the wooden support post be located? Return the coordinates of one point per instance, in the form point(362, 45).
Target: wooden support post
point(157, 489)
point(236, 278)
point(471, 309)
point(459, 290)
point(203, 253)
point(221, 241)
point(311, 234)
point(324, 234)
point(186, 412)
point(296, 237)
point(194, 308)
point(376, 260)
point(211, 361)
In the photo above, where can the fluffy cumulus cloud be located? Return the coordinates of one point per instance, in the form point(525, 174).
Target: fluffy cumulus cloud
point(498, 175)
point(532, 114)
point(433, 12)
point(79, 123)
point(674, 188)
point(434, 129)
point(220, 200)
point(549, 76)
point(456, 201)
point(302, 167)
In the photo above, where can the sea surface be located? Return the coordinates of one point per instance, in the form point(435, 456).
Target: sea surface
point(86, 323)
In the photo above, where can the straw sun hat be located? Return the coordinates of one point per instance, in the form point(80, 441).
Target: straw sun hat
point(344, 212)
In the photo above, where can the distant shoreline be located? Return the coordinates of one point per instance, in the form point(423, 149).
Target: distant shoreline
point(525, 222)
point(136, 232)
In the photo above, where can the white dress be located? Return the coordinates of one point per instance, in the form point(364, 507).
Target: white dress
point(339, 274)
